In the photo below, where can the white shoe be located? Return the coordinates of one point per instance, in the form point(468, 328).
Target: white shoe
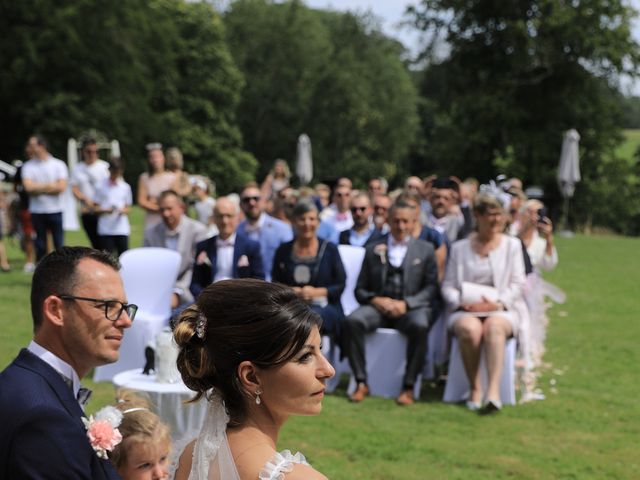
point(28, 267)
point(473, 406)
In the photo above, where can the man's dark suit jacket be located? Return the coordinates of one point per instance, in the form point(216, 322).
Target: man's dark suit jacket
point(42, 434)
point(373, 238)
point(203, 274)
point(420, 273)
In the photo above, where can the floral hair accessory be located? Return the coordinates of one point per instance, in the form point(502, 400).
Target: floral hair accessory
point(102, 430)
point(200, 326)
point(381, 251)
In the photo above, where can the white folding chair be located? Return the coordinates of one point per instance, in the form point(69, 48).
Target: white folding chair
point(149, 275)
point(351, 257)
point(458, 387)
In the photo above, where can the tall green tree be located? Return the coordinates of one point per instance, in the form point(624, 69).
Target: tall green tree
point(519, 73)
point(332, 75)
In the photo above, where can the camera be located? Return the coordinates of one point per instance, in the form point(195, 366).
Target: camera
point(542, 213)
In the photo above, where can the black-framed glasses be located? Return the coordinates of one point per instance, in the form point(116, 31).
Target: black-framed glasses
point(112, 308)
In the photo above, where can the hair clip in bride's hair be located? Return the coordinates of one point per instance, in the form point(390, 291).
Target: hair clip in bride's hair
point(200, 326)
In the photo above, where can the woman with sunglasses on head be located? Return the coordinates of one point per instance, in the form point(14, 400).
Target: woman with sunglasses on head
point(252, 349)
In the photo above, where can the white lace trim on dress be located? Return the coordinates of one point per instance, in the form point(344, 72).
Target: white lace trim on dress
point(281, 463)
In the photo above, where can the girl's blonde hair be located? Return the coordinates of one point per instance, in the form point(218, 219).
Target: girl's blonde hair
point(139, 425)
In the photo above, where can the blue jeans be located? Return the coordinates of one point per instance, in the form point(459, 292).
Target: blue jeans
point(43, 222)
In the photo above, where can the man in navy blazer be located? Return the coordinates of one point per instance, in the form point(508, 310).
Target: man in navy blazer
point(228, 254)
point(363, 233)
point(79, 312)
point(268, 231)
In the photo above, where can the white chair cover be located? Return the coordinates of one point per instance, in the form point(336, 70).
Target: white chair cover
point(149, 275)
point(458, 387)
point(386, 352)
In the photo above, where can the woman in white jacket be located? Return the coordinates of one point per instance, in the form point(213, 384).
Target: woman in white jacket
point(483, 288)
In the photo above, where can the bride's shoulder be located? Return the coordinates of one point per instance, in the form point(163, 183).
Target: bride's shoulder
point(183, 467)
point(285, 465)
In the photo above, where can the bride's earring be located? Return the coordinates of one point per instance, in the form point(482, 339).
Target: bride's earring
point(258, 400)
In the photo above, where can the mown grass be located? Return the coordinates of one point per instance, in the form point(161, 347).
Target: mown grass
point(588, 427)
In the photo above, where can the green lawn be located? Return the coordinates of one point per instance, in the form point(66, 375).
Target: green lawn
point(587, 428)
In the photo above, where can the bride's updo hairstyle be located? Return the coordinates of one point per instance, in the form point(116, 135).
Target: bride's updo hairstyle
point(237, 320)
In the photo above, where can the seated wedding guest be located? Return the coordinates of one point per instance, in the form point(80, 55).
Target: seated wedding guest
point(261, 227)
point(443, 216)
point(313, 268)
point(180, 233)
point(381, 206)
point(80, 313)
point(395, 289)
point(338, 214)
point(426, 233)
point(377, 186)
point(143, 453)
point(488, 258)
point(152, 183)
point(85, 179)
point(228, 254)
point(113, 199)
point(252, 350)
point(468, 192)
point(413, 185)
point(324, 194)
point(363, 232)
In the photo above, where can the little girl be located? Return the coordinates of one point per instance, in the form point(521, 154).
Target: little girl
point(143, 453)
point(114, 199)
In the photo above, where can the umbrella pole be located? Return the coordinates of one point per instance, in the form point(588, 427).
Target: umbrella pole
point(564, 220)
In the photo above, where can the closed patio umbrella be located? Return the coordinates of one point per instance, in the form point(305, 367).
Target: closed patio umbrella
point(304, 161)
point(568, 172)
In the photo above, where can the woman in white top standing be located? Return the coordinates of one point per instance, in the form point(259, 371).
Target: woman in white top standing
point(152, 183)
point(488, 258)
point(113, 199)
point(251, 348)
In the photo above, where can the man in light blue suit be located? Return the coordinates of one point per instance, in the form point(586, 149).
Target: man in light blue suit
point(266, 230)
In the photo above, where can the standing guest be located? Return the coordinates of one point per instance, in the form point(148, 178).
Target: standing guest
point(488, 258)
point(152, 183)
point(413, 185)
point(363, 232)
point(381, 206)
point(175, 164)
point(85, 178)
point(45, 179)
point(228, 254)
point(24, 215)
point(4, 261)
point(180, 233)
point(338, 214)
point(395, 289)
point(144, 451)
point(252, 350)
point(312, 266)
point(443, 207)
point(344, 182)
point(80, 312)
point(468, 192)
point(114, 199)
point(266, 230)
point(377, 186)
point(276, 180)
point(204, 201)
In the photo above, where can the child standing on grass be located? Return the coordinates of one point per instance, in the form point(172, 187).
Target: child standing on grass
point(143, 453)
point(114, 199)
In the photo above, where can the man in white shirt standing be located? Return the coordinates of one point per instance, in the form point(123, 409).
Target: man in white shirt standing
point(85, 179)
point(45, 179)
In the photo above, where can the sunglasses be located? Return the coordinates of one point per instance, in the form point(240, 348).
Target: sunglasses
point(358, 209)
point(250, 199)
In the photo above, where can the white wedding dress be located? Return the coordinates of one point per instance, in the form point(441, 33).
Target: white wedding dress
point(212, 458)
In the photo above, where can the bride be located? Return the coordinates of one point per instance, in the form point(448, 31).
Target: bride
point(251, 348)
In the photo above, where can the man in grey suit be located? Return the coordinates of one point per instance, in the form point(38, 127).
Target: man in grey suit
point(180, 233)
point(395, 289)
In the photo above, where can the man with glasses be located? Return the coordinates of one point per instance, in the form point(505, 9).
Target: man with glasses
point(338, 214)
point(269, 232)
point(80, 311)
point(363, 232)
point(85, 178)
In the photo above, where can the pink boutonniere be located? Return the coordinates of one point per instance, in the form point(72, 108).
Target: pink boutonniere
point(102, 430)
point(381, 251)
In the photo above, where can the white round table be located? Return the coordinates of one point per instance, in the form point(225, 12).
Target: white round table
point(168, 399)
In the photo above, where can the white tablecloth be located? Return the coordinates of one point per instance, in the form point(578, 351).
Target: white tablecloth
point(168, 399)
